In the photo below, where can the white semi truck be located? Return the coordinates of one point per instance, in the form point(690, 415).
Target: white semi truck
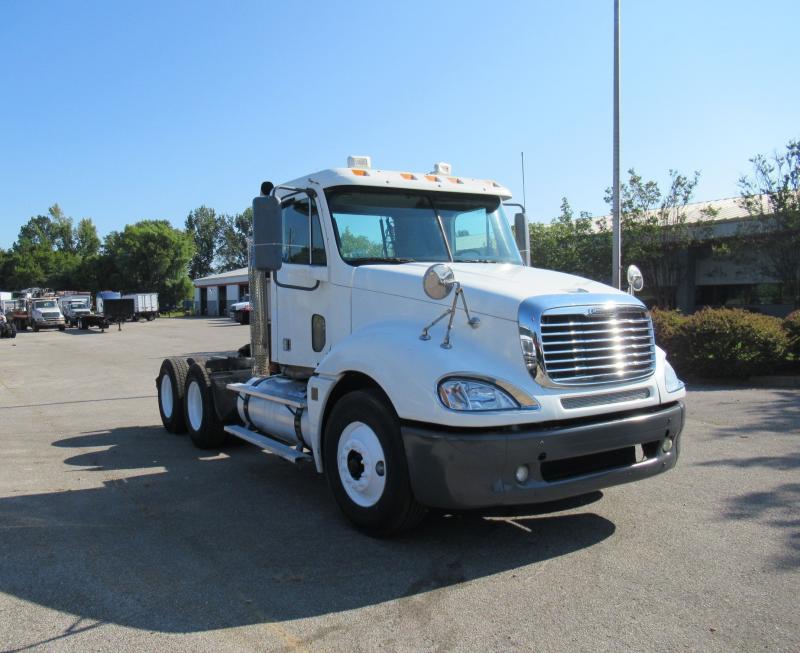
point(400, 344)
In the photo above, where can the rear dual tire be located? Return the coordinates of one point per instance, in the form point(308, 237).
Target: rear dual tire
point(171, 384)
point(200, 415)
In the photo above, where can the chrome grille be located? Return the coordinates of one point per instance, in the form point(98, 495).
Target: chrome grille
point(597, 344)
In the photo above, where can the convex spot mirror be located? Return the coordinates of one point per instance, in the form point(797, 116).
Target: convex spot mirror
point(635, 278)
point(438, 281)
point(267, 233)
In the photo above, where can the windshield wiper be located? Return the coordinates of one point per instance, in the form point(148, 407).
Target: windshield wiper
point(473, 260)
point(367, 260)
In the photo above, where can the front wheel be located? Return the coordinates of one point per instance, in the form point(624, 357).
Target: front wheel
point(35, 327)
point(366, 465)
point(62, 327)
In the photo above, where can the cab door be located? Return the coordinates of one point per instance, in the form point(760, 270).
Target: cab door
point(303, 294)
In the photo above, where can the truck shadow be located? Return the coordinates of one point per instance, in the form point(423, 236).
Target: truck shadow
point(185, 541)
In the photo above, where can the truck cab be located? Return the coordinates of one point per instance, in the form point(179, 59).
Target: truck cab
point(75, 307)
point(44, 313)
point(401, 345)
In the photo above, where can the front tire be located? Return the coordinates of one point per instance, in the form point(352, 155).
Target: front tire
point(171, 382)
point(202, 422)
point(366, 465)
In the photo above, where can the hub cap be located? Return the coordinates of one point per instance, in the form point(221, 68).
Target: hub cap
point(194, 405)
point(166, 396)
point(362, 467)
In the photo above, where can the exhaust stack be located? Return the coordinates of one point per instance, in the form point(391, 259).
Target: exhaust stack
point(259, 334)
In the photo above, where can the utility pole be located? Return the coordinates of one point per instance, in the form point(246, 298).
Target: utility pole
point(616, 238)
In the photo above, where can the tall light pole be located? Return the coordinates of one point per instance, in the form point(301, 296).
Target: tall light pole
point(616, 238)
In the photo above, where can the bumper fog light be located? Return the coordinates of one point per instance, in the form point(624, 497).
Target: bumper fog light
point(666, 445)
point(522, 473)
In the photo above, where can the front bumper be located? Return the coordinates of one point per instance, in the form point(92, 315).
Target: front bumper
point(460, 470)
point(50, 324)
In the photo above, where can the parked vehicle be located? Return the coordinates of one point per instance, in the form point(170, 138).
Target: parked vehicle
point(17, 314)
point(44, 313)
point(102, 296)
point(400, 344)
point(75, 306)
point(7, 328)
point(117, 310)
point(240, 311)
point(145, 305)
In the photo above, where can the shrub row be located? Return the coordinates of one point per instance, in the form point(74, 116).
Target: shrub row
point(725, 342)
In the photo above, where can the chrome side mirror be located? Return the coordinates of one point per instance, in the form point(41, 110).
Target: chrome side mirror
point(438, 281)
point(635, 279)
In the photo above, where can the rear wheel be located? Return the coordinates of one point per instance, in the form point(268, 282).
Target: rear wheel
point(62, 327)
point(35, 327)
point(202, 422)
point(170, 383)
point(366, 465)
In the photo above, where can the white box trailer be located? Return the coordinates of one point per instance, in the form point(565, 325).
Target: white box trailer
point(145, 305)
point(401, 346)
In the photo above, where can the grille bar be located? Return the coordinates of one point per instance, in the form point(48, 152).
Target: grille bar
point(597, 344)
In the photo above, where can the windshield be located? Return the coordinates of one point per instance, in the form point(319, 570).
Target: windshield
point(79, 303)
point(45, 303)
point(376, 226)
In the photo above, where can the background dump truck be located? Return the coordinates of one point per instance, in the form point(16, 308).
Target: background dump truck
point(400, 345)
point(145, 305)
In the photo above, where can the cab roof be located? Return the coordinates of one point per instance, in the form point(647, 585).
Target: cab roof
point(431, 181)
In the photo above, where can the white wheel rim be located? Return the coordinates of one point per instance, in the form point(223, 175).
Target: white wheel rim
point(362, 465)
point(166, 396)
point(194, 405)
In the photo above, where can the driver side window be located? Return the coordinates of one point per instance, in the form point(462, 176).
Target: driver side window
point(302, 232)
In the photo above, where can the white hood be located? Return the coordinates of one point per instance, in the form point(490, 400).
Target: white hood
point(490, 289)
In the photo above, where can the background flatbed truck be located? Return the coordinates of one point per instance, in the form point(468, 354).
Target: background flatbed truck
point(401, 346)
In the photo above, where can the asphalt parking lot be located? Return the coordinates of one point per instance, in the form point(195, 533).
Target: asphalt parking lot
point(115, 535)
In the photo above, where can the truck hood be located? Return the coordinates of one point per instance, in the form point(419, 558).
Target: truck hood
point(490, 289)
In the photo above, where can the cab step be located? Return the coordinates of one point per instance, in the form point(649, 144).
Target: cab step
point(268, 444)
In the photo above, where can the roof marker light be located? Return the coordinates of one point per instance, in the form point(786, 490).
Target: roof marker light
point(359, 162)
point(431, 177)
point(454, 180)
point(408, 176)
point(359, 172)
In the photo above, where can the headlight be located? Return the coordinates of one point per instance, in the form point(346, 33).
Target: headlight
point(528, 349)
point(671, 380)
point(471, 394)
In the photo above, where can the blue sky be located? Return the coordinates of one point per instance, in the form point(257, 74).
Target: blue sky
point(121, 111)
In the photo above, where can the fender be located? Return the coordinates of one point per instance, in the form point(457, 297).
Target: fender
point(408, 370)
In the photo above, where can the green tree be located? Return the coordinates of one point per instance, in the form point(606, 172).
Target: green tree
point(61, 230)
point(771, 195)
point(150, 256)
point(204, 227)
point(577, 245)
point(234, 232)
point(656, 233)
point(87, 242)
